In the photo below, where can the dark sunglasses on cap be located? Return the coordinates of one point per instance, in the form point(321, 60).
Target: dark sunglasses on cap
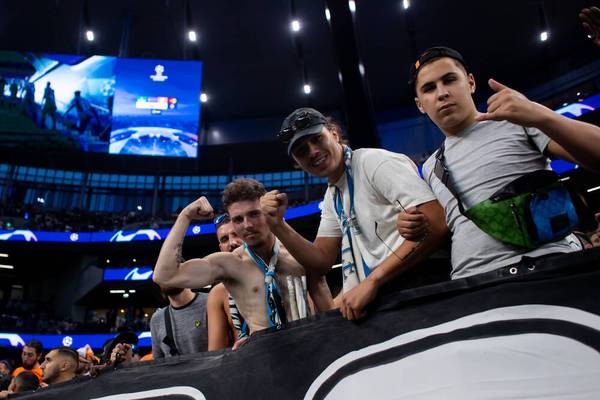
point(303, 121)
point(221, 219)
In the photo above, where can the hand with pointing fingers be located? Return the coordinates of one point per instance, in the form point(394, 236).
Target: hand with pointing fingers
point(507, 104)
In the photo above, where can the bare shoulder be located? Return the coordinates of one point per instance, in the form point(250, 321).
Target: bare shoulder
point(219, 293)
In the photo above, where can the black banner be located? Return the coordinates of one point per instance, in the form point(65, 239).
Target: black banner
point(531, 331)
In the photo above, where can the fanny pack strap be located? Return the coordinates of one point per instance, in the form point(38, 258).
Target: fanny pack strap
point(443, 174)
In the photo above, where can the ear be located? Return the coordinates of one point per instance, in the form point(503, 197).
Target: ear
point(336, 135)
point(472, 84)
point(419, 105)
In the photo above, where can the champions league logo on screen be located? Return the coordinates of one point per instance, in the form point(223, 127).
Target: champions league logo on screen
point(158, 114)
point(103, 104)
point(158, 76)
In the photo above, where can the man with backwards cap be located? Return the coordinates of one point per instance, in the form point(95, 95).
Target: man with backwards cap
point(483, 152)
point(367, 189)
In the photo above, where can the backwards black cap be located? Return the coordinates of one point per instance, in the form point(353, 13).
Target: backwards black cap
point(430, 55)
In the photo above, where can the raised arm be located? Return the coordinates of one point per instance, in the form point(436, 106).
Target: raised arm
point(570, 139)
point(171, 270)
point(317, 257)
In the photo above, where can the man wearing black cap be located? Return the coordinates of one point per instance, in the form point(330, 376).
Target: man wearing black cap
point(485, 152)
point(367, 189)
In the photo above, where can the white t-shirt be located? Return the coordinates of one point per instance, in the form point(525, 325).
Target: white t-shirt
point(380, 179)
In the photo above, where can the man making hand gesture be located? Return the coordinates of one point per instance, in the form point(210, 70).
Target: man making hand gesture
point(484, 152)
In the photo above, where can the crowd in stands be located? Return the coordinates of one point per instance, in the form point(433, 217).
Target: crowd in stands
point(30, 317)
point(36, 217)
point(36, 367)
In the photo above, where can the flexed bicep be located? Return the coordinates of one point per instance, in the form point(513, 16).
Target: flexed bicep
point(200, 272)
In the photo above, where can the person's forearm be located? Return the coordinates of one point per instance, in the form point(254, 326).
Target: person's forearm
point(406, 256)
point(320, 293)
point(305, 252)
point(580, 139)
point(170, 256)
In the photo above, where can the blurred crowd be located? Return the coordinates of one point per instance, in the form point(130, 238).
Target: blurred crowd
point(30, 317)
point(34, 217)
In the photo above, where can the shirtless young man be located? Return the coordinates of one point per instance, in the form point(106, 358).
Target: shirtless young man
point(243, 270)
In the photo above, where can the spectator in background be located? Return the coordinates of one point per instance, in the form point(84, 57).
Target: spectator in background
point(30, 356)
point(87, 359)
point(5, 368)
point(5, 374)
point(26, 381)
point(222, 329)
point(592, 239)
point(180, 327)
point(590, 19)
point(60, 365)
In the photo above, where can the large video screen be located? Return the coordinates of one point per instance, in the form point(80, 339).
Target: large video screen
point(100, 104)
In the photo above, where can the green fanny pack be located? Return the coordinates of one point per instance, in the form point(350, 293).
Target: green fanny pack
point(534, 209)
point(544, 213)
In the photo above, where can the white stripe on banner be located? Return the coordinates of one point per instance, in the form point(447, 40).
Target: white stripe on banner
point(578, 365)
point(523, 366)
point(188, 391)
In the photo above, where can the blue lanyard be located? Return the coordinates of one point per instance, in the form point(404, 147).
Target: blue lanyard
point(275, 310)
point(348, 222)
point(338, 201)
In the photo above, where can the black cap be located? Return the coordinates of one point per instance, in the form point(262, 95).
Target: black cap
point(430, 55)
point(300, 123)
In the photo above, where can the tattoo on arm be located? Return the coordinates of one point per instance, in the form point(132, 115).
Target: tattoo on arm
point(410, 252)
point(178, 251)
